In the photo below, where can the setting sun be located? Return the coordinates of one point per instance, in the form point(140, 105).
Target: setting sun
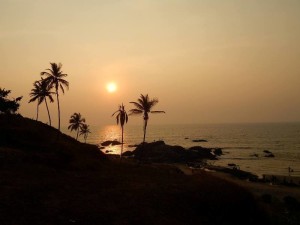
point(111, 87)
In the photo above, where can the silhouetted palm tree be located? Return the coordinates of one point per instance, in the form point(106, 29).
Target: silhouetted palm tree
point(40, 92)
point(54, 79)
point(76, 122)
point(85, 131)
point(122, 118)
point(143, 106)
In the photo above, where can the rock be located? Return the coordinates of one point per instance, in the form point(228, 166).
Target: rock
point(115, 143)
point(108, 151)
point(204, 153)
point(231, 164)
point(133, 146)
point(199, 140)
point(160, 152)
point(254, 155)
point(128, 153)
point(267, 152)
point(218, 151)
point(186, 138)
point(107, 143)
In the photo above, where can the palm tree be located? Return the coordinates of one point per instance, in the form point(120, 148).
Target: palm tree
point(55, 78)
point(40, 92)
point(143, 106)
point(85, 131)
point(76, 122)
point(122, 118)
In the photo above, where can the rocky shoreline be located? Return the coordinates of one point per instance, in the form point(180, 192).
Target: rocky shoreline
point(160, 152)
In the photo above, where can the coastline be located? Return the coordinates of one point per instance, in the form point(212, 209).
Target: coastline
point(242, 144)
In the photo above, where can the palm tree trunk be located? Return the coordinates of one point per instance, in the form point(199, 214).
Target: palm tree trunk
point(77, 133)
point(58, 109)
point(145, 127)
point(37, 112)
point(48, 111)
point(122, 143)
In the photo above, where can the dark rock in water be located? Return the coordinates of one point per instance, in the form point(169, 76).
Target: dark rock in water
point(128, 153)
point(160, 152)
point(270, 155)
point(199, 140)
point(254, 155)
point(107, 143)
point(267, 152)
point(132, 146)
point(186, 138)
point(204, 153)
point(231, 164)
point(115, 143)
point(197, 148)
point(108, 151)
point(218, 151)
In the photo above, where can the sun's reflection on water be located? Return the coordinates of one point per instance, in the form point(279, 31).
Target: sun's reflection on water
point(112, 133)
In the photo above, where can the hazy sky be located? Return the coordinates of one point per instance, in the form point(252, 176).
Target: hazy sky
point(208, 61)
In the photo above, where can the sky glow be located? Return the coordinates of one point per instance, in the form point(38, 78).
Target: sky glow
point(206, 61)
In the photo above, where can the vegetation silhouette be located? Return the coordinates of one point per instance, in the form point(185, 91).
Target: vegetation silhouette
point(122, 118)
point(85, 131)
point(55, 79)
point(40, 92)
point(76, 122)
point(8, 106)
point(143, 106)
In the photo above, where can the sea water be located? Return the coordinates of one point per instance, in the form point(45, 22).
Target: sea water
point(242, 144)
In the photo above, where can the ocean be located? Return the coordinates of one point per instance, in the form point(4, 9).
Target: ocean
point(242, 144)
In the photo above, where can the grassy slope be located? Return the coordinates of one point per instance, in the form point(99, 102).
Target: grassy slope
point(44, 181)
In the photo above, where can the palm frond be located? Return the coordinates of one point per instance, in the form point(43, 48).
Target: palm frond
point(115, 112)
point(137, 105)
point(135, 111)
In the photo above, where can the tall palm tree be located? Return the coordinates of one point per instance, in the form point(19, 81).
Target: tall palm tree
point(85, 131)
point(122, 118)
point(55, 79)
point(76, 122)
point(40, 92)
point(143, 106)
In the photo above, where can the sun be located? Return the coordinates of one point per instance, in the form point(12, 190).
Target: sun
point(111, 87)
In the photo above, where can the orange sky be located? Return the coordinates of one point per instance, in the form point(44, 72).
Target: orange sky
point(207, 61)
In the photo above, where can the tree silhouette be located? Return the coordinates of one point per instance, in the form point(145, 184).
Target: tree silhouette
point(55, 79)
point(8, 106)
point(40, 92)
point(122, 118)
point(143, 106)
point(76, 122)
point(85, 131)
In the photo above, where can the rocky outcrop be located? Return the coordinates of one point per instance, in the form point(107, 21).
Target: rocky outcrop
point(160, 152)
point(268, 154)
point(107, 143)
point(218, 151)
point(199, 140)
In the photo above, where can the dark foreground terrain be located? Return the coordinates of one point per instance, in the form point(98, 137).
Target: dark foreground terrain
point(46, 180)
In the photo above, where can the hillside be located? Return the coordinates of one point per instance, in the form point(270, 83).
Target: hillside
point(24, 140)
point(48, 181)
